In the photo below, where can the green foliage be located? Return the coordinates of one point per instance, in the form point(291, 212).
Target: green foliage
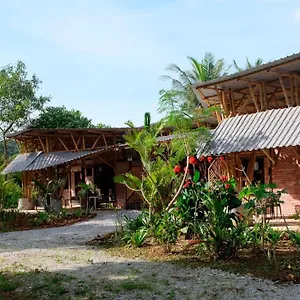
point(60, 117)
point(12, 148)
point(10, 192)
point(101, 125)
point(136, 238)
point(77, 213)
point(295, 237)
point(249, 65)
point(18, 98)
point(207, 69)
point(7, 285)
point(135, 230)
point(158, 184)
point(147, 121)
point(261, 197)
point(166, 228)
point(43, 216)
point(221, 229)
point(46, 192)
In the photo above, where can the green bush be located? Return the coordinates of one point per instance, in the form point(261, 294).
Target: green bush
point(166, 228)
point(10, 192)
point(135, 230)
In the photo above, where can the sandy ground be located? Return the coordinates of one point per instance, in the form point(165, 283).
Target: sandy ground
point(62, 251)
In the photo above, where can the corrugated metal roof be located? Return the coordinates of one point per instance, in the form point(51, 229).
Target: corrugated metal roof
point(21, 162)
point(263, 130)
point(41, 160)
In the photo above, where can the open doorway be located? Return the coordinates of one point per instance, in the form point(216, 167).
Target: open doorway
point(104, 179)
point(258, 172)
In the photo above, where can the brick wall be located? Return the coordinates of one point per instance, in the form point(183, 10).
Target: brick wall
point(286, 174)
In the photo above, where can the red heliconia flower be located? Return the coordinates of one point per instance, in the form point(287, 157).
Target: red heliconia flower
point(177, 169)
point(193, 160)
point(224, 178)
point(187, 183)
point(210, 159)
point(227, 186)
point(202, 158)
point(188, 170)
point(222, 158)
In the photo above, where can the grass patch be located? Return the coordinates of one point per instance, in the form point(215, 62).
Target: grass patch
point(285, 268)
point(131, 285)
point(7, 285)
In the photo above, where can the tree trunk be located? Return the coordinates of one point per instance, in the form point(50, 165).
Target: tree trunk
point(4, 149)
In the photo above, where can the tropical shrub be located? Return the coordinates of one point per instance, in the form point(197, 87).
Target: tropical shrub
point(221, 230)
point(10, 192)
point(166, 228)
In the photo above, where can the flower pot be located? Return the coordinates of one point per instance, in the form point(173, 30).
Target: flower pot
point(56, 205)
point(25, 204)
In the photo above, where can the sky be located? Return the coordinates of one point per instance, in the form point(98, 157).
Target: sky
point(105, 57)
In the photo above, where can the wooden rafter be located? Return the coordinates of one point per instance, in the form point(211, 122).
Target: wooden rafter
point(47, 144)
point(61, 141)
point(292, 89)
point(104, 139)
point(107, 163)
point(252, 93)
point(266, 152)
point(296, 90)
point(42, 144)
point(83, 142)
point(78, 141)
point(297, 151)
point(95, 143)
point(284, 91)
point(74, 142)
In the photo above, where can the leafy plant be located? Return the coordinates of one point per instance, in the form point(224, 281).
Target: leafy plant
point(261, 198)
point(295, 237)
point(46, 192)
point(160, 184)
point(77, 213)
point(166, 228)
point(85, 190)
point(10, 192)
point(136, 238)
point(43, 216)
point(273, 237)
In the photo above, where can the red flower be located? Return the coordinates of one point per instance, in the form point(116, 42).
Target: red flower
point(193, 160)
point(210, 159)
point(224, 178)
point(187, 184)
point(177, 169)
point(188, 170)
point(227, 186)
point(202, 158)
point(222, 158)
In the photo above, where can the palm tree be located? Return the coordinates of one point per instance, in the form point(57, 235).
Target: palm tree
point(208, 68)
point(249, 65)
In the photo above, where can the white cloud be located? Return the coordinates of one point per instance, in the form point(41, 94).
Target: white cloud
point(297, 16)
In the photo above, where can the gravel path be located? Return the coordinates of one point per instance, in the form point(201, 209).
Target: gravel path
point(89, 273)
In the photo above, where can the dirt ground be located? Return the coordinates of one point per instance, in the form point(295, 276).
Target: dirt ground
point(55, 263)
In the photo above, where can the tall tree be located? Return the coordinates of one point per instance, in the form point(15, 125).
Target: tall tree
point(60, 117)
point(208, 68)
point(248, 65)
point(18, 99)
point(102, 125)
